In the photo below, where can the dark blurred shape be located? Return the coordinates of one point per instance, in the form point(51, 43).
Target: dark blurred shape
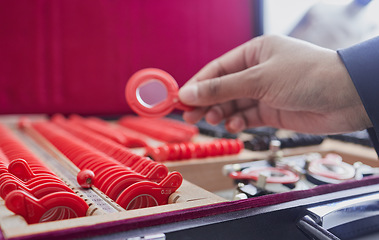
point(359, 137)
point(261, 131)
point(297, 140)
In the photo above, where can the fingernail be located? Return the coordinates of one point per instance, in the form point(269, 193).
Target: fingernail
point(188, 94)
point(214, 116)
point(236, 124)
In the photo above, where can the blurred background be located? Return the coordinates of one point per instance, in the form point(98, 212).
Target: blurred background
point(71, 56)
point(333, 24)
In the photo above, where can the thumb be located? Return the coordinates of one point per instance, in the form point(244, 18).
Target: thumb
point(221, 89)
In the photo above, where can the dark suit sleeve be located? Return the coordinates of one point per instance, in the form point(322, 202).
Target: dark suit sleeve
point(362, 63)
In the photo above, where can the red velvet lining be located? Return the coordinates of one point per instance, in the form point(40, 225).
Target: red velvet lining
point(76, 56)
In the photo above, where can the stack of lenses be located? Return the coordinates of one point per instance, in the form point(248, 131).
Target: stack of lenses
point(30, 188)
point(130, 180)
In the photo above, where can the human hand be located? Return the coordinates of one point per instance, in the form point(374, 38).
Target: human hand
point(276, 81)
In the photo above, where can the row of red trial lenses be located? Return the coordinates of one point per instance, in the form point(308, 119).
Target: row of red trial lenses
point(117, 134)
point(162, 129)
point(152, 170)
point(121, 183)
point(30, 188)
point(189, 150)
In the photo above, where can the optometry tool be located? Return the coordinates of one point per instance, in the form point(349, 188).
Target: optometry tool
point(153, 93)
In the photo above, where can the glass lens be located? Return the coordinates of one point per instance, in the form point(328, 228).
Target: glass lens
point(151, 93)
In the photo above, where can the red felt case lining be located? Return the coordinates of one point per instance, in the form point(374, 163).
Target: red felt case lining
point(76, 57)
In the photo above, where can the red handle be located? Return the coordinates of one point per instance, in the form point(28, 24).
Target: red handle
point(182, 106)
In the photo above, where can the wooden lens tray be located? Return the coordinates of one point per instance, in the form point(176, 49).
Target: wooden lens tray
point(202, 177)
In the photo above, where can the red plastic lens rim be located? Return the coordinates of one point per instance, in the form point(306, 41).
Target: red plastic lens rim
point(143, 76)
